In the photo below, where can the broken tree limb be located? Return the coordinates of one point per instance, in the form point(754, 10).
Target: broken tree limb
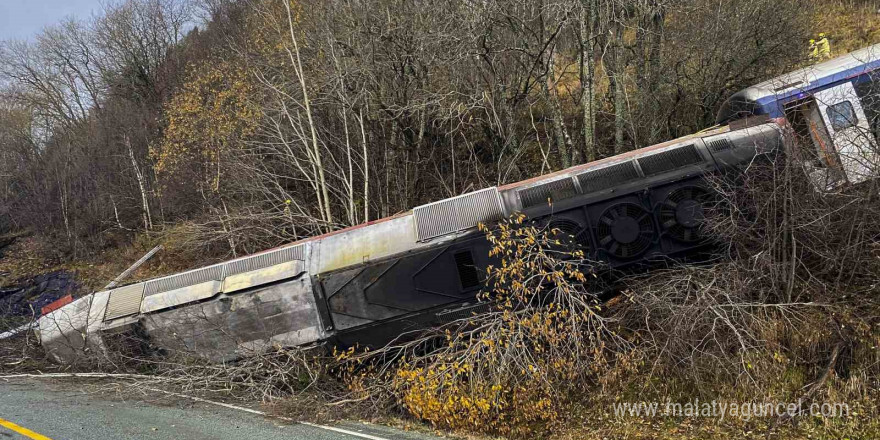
point(813, 388)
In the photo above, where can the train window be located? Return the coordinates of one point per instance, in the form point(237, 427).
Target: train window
point(842, 115)
point(869, 93)
point(467, 271)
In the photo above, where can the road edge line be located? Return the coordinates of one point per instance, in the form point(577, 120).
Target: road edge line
point(262, 413)
point(185, 396)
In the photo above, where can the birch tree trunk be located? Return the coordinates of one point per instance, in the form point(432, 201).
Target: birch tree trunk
point(297, 67)
point(588, 18)
point(366, 167)
point(352, 220)
point(148, 218)
point(346, 106)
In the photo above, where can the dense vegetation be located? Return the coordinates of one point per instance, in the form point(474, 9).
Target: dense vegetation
point(228, 126)
point(222, 127)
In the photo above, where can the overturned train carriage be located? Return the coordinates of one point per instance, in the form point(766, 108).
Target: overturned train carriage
point(370, 283)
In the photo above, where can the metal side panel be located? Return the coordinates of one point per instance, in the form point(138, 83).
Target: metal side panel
point(70, 318)
point(98, 310)
point(670, 160)
point(176, 297)
point(547, 192)
point(124, 301)
point(225, 327)
point(719, 144)
point(62, 332)
point(412, 283)
point(739, 147)
point(66, 332)
point(361, 245)
point(457, 214)
point(601, 179)
point(159, 285)
point(266, 259)
point(244, 280)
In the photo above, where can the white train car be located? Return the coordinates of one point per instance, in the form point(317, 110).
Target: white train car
point(373, 282)
point(369, 283)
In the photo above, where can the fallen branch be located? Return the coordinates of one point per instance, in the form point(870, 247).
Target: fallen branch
point(814, 387)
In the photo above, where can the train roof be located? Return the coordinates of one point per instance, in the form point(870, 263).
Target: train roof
point(392, 234)
point(809, 79)
point(422, 227)
point(527, 182)
point(616, 158)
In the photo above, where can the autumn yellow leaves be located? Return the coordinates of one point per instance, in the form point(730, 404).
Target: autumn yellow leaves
point(510, 371)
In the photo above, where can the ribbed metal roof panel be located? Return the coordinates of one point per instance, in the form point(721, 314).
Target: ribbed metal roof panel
point(124, 301)
point(210, 273)
point(266, 259)
point(457, 213)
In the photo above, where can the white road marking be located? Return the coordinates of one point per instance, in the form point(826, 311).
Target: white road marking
point(258, 412)
point(197, 399)
point(70, 375)
point(344, 431)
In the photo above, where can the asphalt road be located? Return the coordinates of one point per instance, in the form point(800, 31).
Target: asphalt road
point(52, 409)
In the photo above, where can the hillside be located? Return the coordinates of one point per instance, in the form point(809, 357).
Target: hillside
point(230, 134)
point(222, 128)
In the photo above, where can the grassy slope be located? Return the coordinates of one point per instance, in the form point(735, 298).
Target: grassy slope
point(29, 256)
point(849, 28)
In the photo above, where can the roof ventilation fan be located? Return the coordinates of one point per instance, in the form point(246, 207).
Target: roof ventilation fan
point(625, 230)
point(682, 213)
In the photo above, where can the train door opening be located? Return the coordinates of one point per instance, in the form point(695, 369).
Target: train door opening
point(813, 145)
point(849, 129)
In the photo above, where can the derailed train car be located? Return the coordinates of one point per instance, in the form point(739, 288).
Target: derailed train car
point(370, 283)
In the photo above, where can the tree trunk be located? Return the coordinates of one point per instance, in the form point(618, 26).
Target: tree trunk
point(658, 19)
point(148, 219)
point(617, 75)
point(350, 178)
point(589, 10)
point(649, 42)
point(346, 106)
point(297, 63)
point(366, 168)
point(560, 133)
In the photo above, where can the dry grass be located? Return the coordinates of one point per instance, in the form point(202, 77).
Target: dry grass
point(849, 24)
point(791, 316)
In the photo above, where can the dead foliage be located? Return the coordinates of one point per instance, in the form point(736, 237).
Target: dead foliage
point(786, 311)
